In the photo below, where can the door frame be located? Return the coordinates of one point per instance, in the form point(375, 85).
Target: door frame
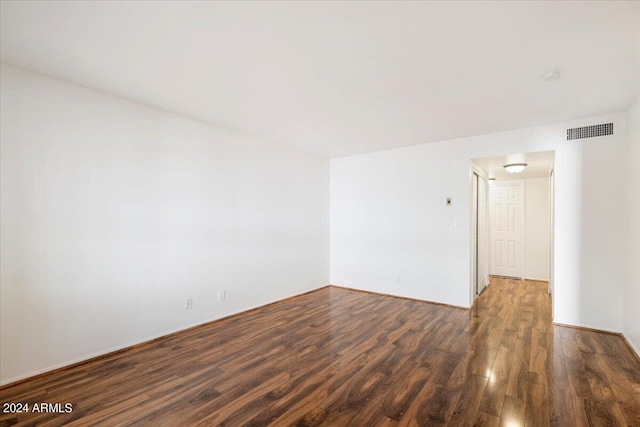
point(474, 169)
point(552, 221)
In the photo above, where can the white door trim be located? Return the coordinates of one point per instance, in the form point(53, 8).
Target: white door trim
point(474, 168)
point(483, 244)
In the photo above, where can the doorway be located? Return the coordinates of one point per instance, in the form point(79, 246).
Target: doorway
point(511, 220)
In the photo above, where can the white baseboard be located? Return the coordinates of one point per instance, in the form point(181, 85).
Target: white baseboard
point(631, 345)
point(147, 339)
point(104, 352)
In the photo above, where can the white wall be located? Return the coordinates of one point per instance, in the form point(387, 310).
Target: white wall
point(391, 231)
point(114, 213)
point(536, 230)
point(631, 328)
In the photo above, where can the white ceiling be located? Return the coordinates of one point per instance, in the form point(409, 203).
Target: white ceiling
point(341, 78)
point(539, 164)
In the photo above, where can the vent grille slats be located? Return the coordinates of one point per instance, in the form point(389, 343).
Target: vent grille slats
point(590, 131)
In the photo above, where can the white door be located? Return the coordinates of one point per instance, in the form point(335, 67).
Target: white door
point(507, 224)
point(483, 238)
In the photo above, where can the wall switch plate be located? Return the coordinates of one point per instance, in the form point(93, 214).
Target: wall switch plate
point(188, 304)
point(221, 295)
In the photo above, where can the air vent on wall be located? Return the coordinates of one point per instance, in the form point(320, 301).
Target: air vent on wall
point(590, 131)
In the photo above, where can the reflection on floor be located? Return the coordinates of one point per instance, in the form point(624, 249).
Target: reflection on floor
point(340, 357)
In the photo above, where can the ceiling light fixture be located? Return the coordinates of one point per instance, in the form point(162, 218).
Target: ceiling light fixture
point(551, 76)
point(492, 181)
point(515, 167)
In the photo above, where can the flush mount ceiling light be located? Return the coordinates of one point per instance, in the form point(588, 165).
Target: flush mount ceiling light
point(551, 76)
point(515, 167)
point(492, 181)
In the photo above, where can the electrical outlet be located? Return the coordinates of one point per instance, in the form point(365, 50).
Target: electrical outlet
point(188, 304)
point(221, 295)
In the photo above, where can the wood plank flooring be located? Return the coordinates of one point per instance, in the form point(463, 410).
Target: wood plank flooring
point(338, 357)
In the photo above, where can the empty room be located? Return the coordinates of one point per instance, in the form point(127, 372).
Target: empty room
point(336, 213)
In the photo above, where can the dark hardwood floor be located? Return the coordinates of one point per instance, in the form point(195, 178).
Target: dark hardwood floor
point(339, 357)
